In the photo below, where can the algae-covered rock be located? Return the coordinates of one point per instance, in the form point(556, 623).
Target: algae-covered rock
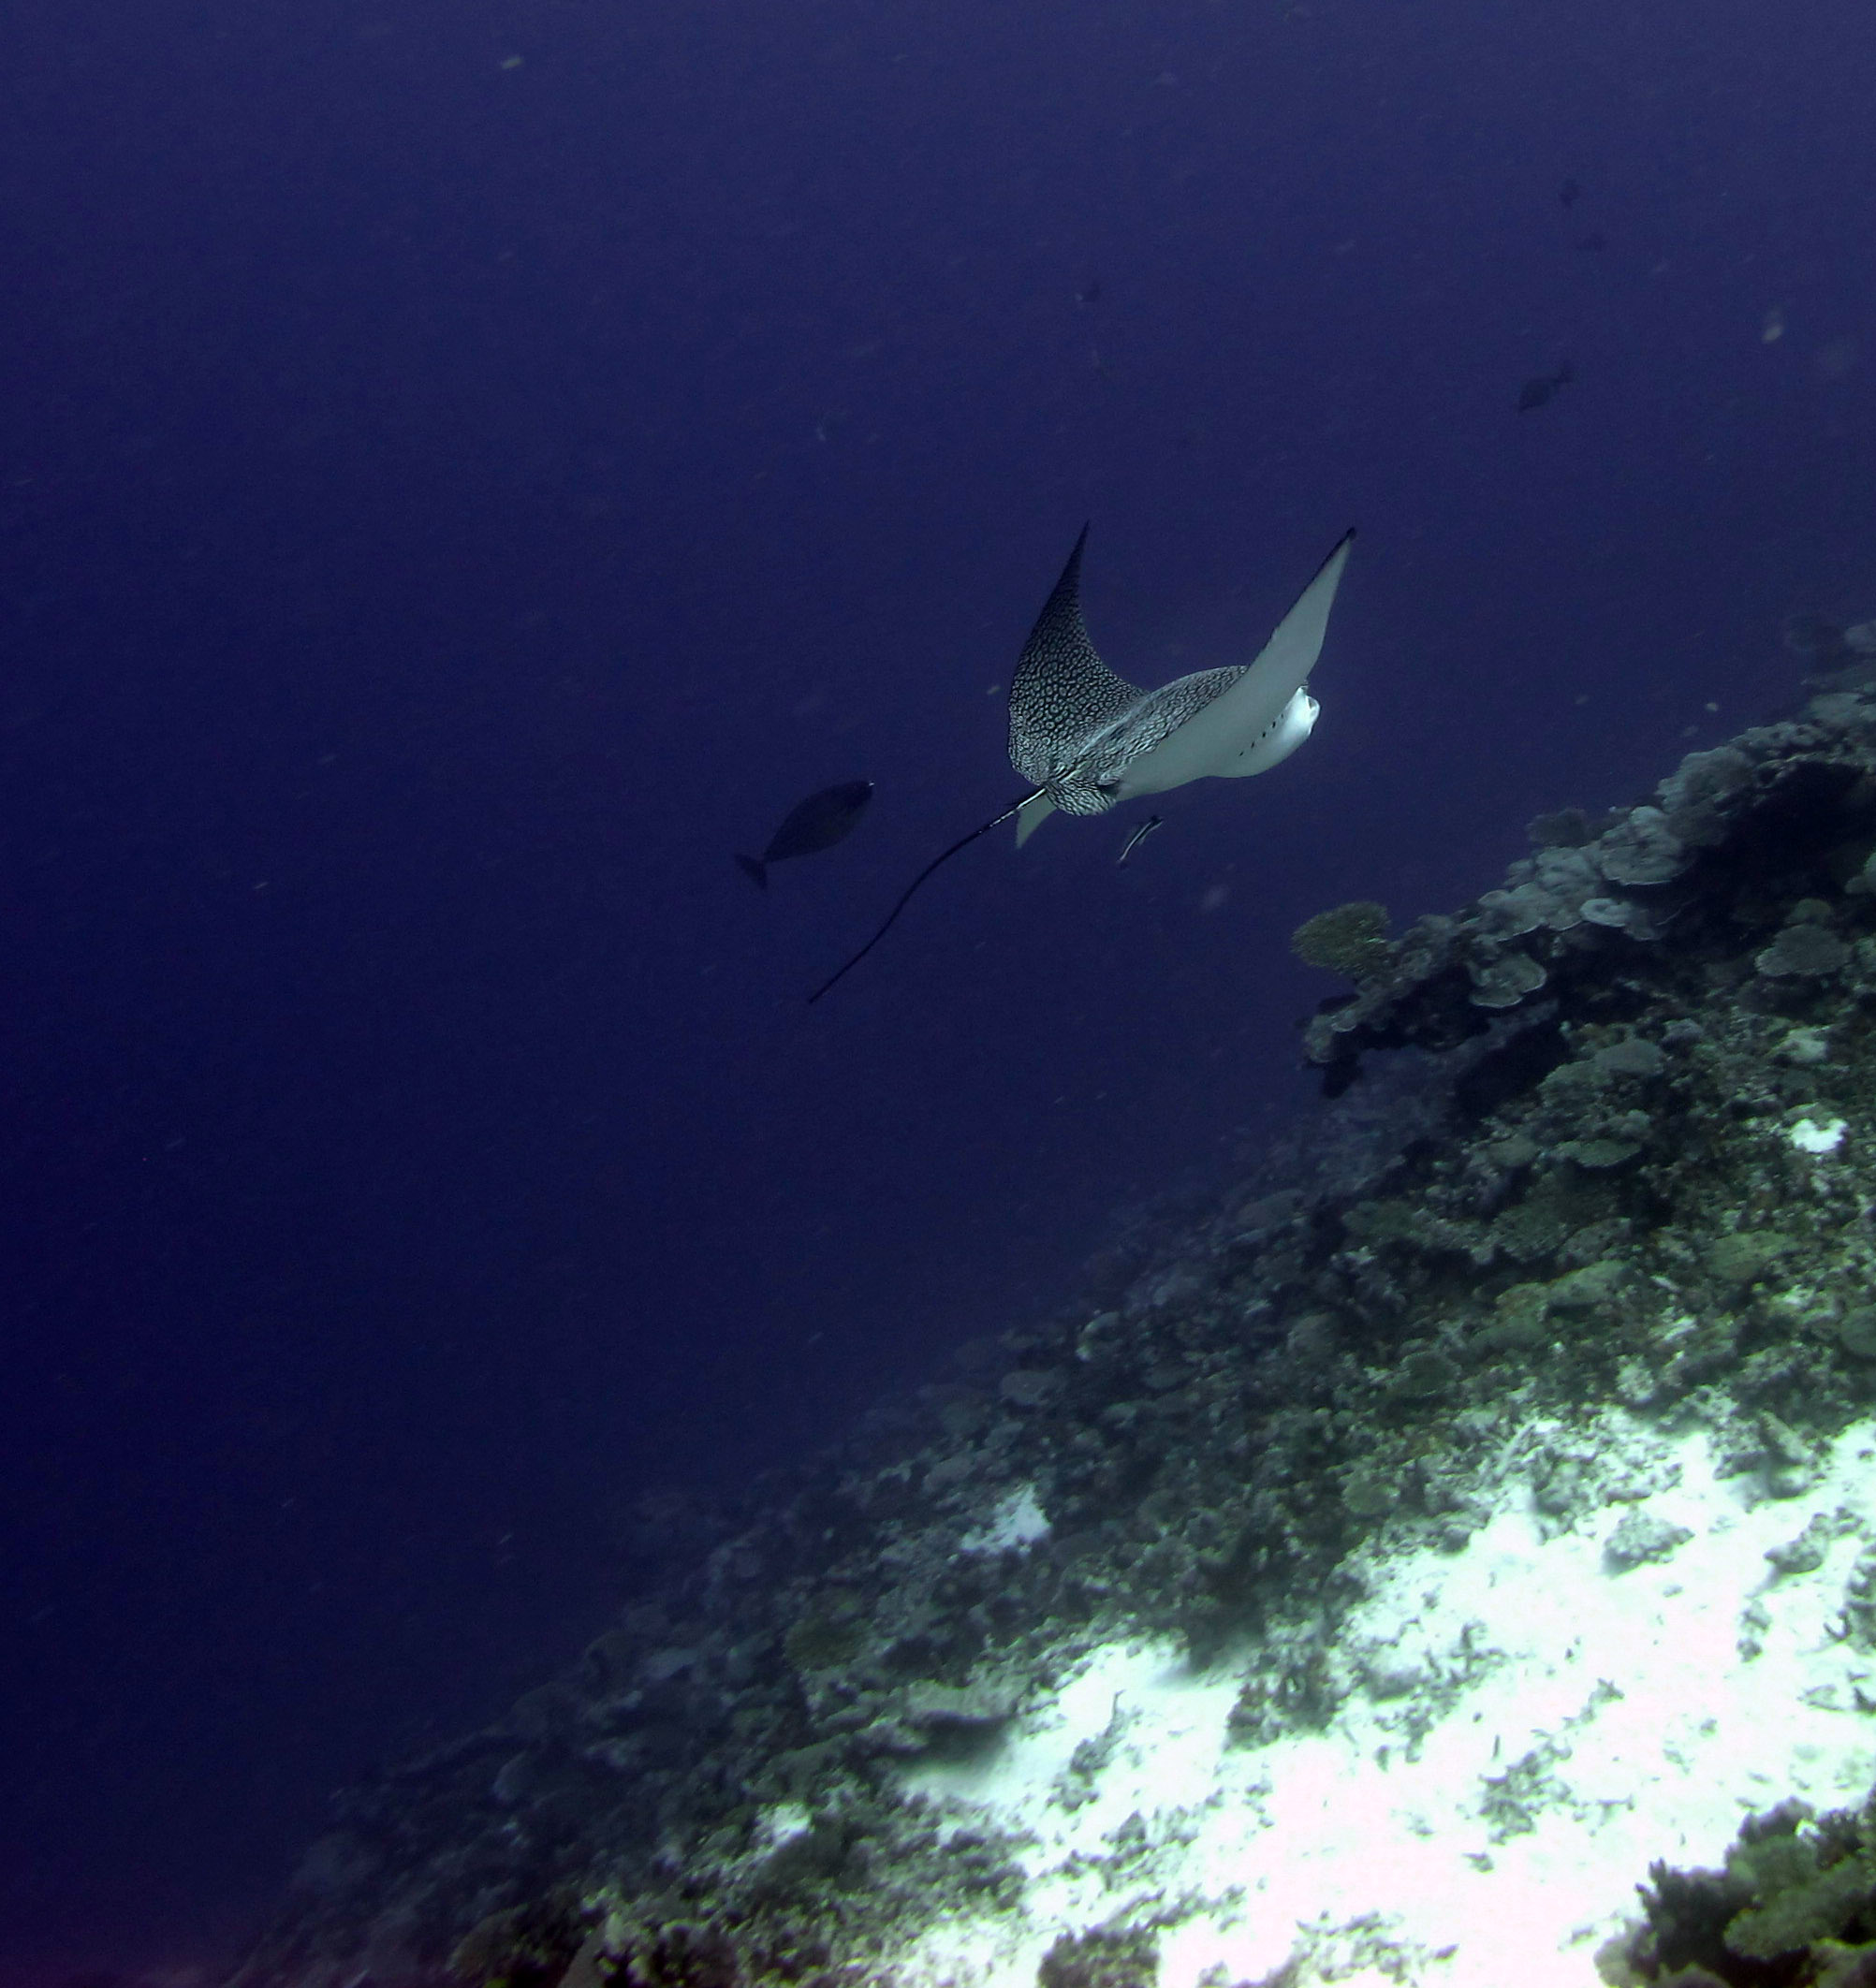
point(1795, 1901)
point(1511, 914)
point(1103, 1957)
point(1642, 1537)
point(1804, 951)
point(1804, 1905)
point(1805, 1553)
point(1856, 1331)
point(1029, 1387)
point(1858, 1622)
point(1775, 822)
point(1503, 982)
point(1351, 940)
point(1599, 1155)
point(978, 1708)
point(1519, 1321)
point(1744, 1258)
point(1703, 777)
point(1642, 849)
point(1591, 1288)
point(827, 1635)
point(1632, 1057)
point(1424, 1374)
point(534, 1943)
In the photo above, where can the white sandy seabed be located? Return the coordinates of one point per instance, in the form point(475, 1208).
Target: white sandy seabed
point(1536, 1725)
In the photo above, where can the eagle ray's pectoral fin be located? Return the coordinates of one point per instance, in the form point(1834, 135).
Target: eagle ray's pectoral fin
point(1242, 722)
point(1062, 694)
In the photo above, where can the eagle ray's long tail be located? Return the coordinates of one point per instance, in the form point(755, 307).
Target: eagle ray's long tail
point(905, 896)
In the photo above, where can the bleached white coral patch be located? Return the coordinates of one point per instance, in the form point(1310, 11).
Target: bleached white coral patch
point(1018, 1523)
point(1517, 1730)
point(1809, 1136)
point(781, 1822)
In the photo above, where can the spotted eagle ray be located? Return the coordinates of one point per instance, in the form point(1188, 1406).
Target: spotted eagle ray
point(1087, 739)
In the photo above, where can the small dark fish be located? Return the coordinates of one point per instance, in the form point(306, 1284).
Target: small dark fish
point(1534, 393)
point(1139, 835)
point(810, 826)
point(1570, 192)
point(1090, 292)
point(1591, 244)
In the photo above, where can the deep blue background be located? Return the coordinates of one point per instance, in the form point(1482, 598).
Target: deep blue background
point(450, 501)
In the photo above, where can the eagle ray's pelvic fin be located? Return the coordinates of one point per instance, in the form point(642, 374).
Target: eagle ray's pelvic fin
point(1031, 816)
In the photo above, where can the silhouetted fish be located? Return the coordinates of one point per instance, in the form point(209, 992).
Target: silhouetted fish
point(1090, 292)
point(1534, 393)
point(1591, 243)
point(1570, 192)
point(810, 826)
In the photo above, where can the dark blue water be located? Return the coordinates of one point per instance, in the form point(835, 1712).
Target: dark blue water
point(463, 473)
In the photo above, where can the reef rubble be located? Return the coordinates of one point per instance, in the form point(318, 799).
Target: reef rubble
point(1469, 1511)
